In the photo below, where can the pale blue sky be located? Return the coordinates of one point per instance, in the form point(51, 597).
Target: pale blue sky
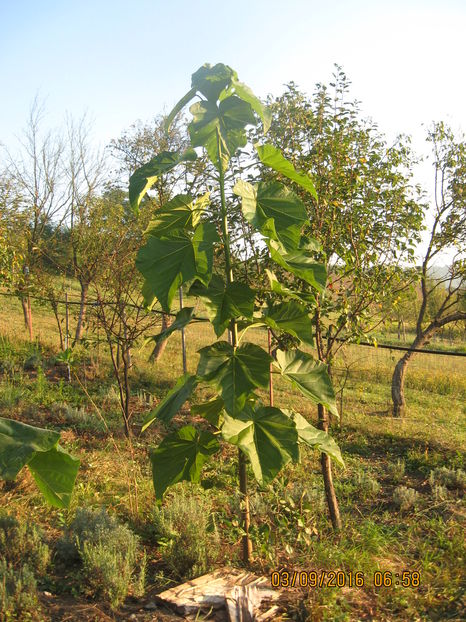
point(124, 60)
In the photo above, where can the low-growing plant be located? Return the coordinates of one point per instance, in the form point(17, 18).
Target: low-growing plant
point(439, 492)
point(396, 470)
point(405, 498)
point(23, 542)
point(18, 593)
point(186, 534)
point(366, 484)
point(454, 479)
point(112, 564)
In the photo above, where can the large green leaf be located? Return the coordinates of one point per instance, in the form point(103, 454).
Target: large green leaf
point(224, 302)
point(220, 128)
point(308, 376)
point(172, 402)
point(244, 92)
point(235, 372)
point(315, 438)
point(179, 214)
point(301, 263)
point(53, 469)
point(55, 473)
point(267, 436)
point(272, 200)
point(180, 456)
point(19, 442)
point(145, 177)
point(166, 264)
point(182, 319)
point(292, 318)
point(212, 411)
point(282, 290)
point(273, 157)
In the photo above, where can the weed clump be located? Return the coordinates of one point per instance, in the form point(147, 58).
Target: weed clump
point(366, 484)
point(405, 498)
point(23, 543)
point(108, 552)
point(18, 593)
point(454, 479)
point(184, 532)
point(396, 470)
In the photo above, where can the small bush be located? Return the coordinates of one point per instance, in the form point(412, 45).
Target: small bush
point(188, 543)
point(33, 362)
point(10, 394)
point(439, 492)
point(405, 498)
point(23, 542)
point(396, 470)
point(18, 593)
point(109, 552)
point(455, 479)
point(366, 484)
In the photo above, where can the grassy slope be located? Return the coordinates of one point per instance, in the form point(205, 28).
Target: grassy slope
point(291, 528)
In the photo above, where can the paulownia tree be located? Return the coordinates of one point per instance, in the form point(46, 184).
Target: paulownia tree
point(179, 250)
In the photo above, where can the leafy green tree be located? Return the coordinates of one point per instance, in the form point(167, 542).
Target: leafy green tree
point(442, 296)
point(179, 250)
point(364, 216)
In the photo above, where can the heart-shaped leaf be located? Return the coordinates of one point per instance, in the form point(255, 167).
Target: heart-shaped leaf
point(273, 157)
point(180, 456)
point(145, 177)
point(308, 376)
point(224, 302)
point(235, 372)
point(292, 318)
point(267, 436)
point(172, 402)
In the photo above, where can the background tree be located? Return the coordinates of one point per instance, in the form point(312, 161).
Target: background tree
point(38, 176)
point(85, 172)
point(365, 215)
point(442, 291)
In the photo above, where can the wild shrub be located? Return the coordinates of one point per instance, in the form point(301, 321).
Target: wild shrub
point(454, 479)
point(405, 498)
point(23, 542)
point(188, 542)
point(109, 553)
point(367, 485)
point(18, 593)
point(396, 470)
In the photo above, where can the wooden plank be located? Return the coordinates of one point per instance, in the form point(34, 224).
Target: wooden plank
point(231, 590)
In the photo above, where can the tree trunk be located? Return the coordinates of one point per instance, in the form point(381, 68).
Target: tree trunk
point(326, 465)
point(82, 311)
point(159, 348)
point(26, 305)
point(398, 379)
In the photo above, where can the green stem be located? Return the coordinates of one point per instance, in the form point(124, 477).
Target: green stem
point(242, 472)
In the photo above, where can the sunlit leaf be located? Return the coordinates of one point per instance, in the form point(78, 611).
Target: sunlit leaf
point(301, 263)
point(315, 438)
point(55, 472)
point(180, 456)
point(292, 318)
point(145, 177)
point(273, 157)
point(267, 436)
point(224, 302)
point(182, 319)
point(166, 264)
point(172, 402)
point(235, 372)
point(308, 376)
point(212, 411)
point(179, 214)
point(273, 201)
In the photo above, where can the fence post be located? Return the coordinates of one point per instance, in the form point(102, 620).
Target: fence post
point(183, 338)
point(67, 326)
